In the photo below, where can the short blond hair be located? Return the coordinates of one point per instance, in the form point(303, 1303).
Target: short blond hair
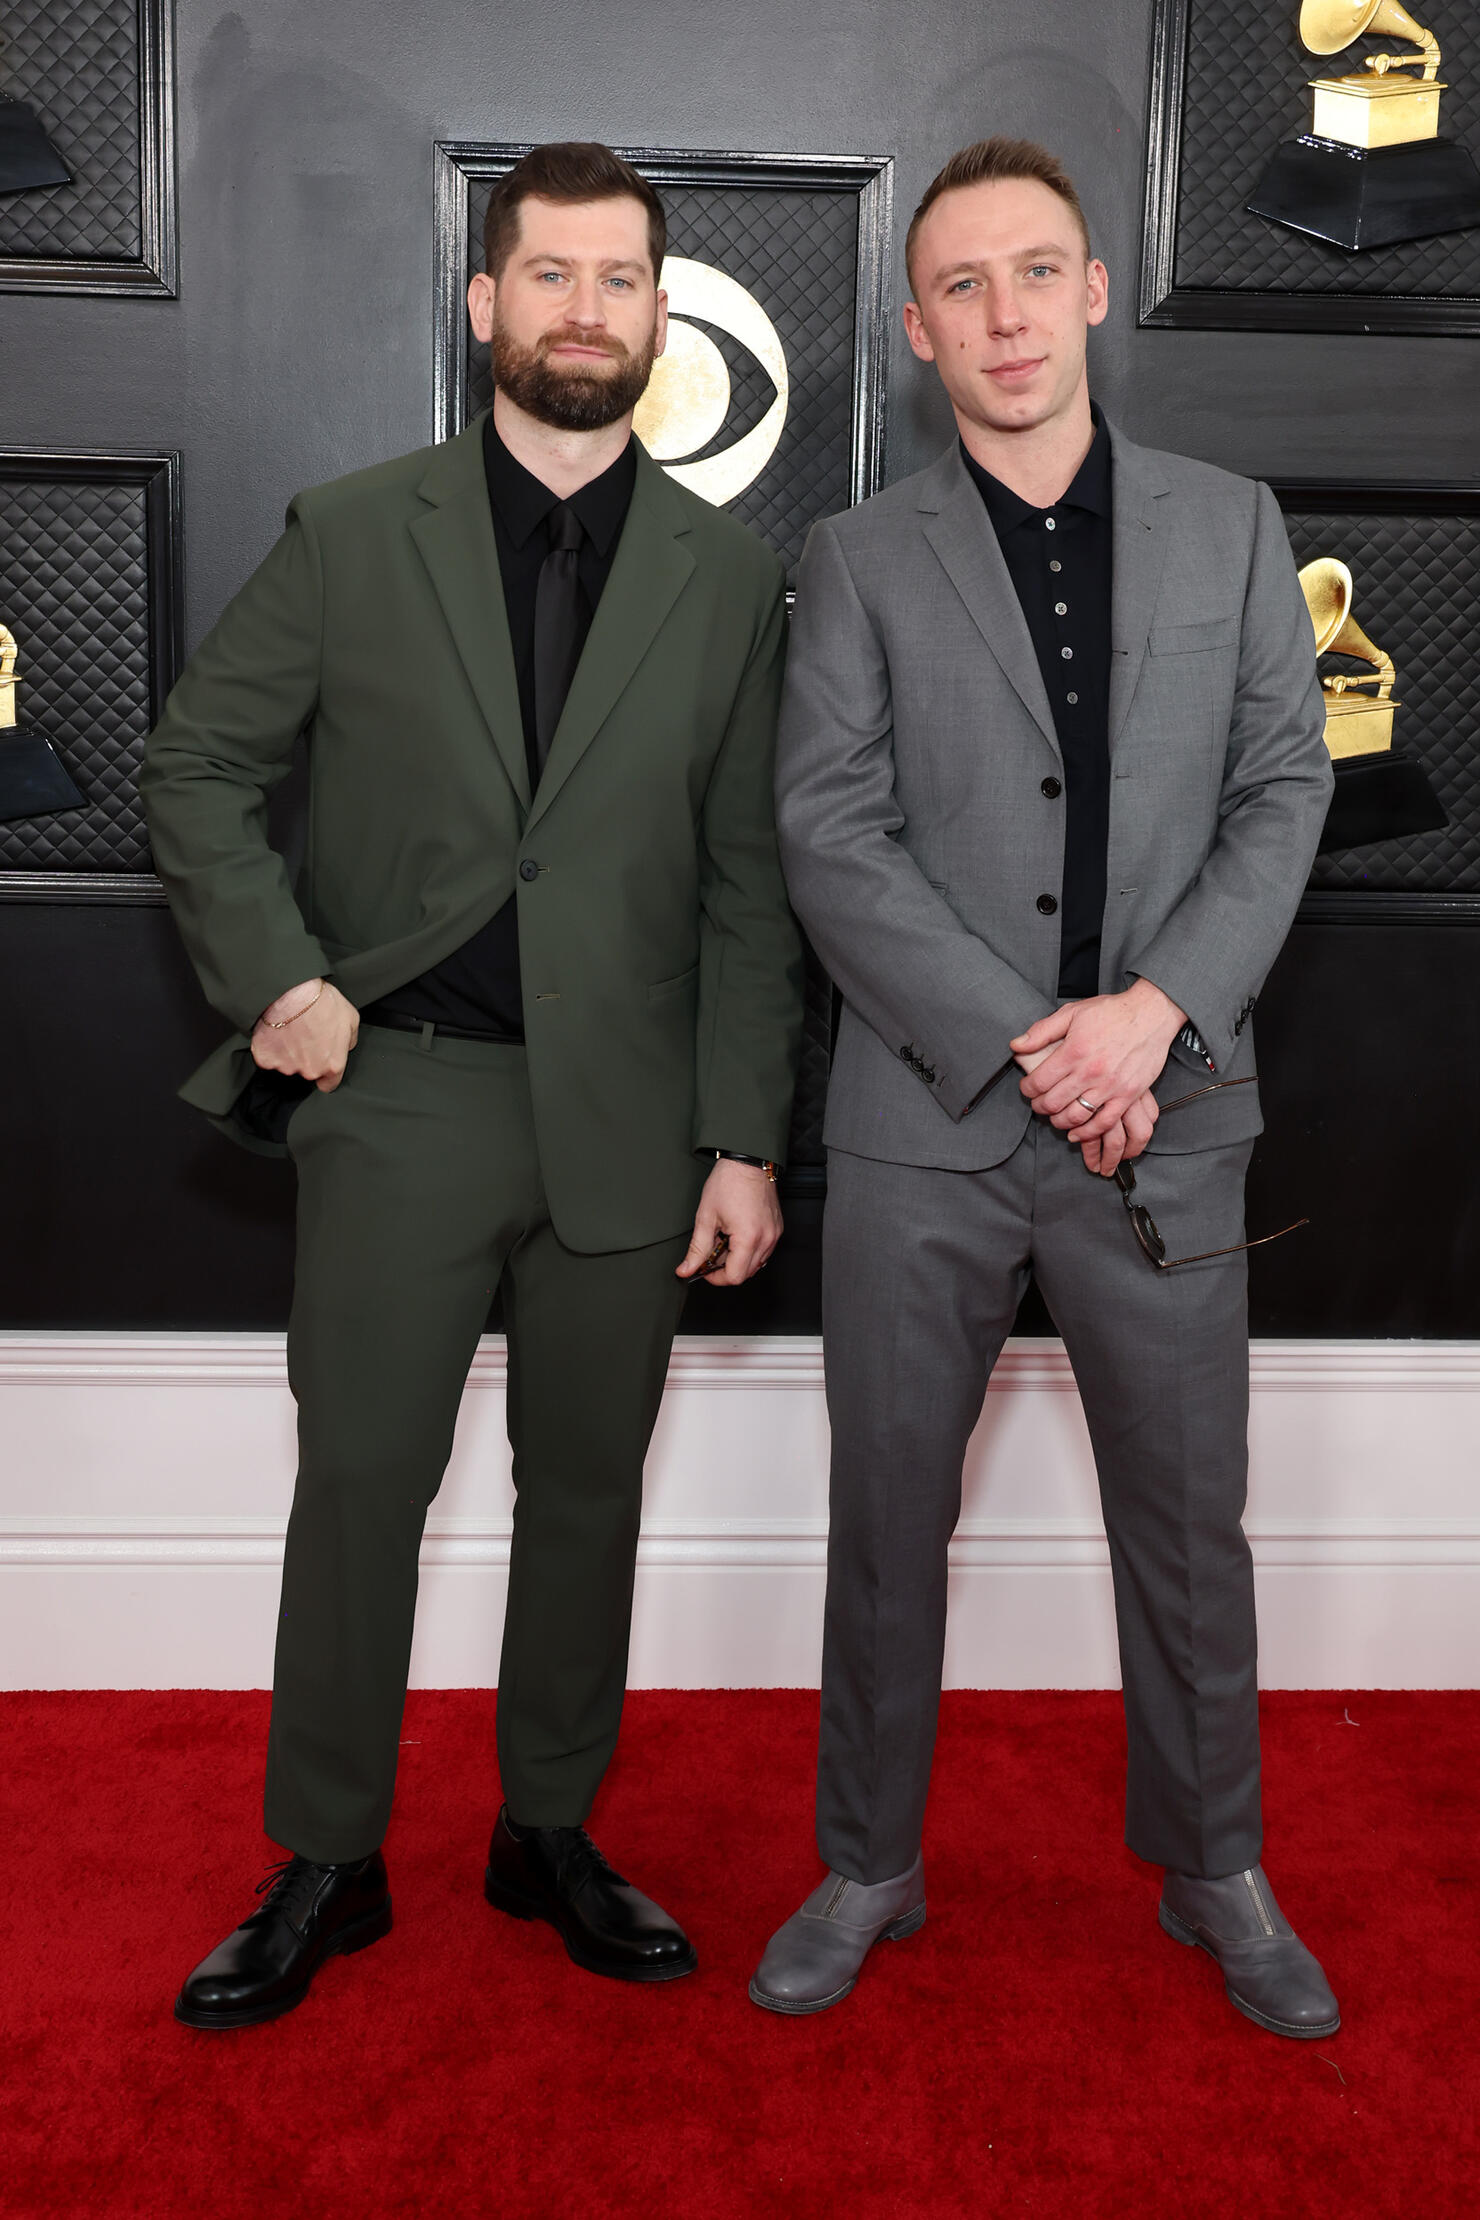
point(994, 162)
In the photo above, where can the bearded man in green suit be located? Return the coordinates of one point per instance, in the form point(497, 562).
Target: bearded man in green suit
point(528, 1020)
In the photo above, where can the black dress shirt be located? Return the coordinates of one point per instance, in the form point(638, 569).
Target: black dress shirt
point(1059, 560)
point(477, 987)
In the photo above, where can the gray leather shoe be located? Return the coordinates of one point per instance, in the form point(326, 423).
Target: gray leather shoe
point(814, 1960)
point(1267, 1970)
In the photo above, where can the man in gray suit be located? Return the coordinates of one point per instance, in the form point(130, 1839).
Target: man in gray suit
point(1051, 778)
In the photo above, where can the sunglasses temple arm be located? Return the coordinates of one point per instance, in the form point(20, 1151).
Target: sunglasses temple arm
point(1238, 1246)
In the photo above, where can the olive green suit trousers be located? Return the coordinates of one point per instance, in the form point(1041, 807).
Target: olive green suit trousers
point(419, 1193)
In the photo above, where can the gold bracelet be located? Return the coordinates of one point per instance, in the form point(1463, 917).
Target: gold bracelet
point(275, 1025)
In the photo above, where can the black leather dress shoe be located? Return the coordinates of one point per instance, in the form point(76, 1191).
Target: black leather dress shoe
point(608, 1926)
point(308, 1913)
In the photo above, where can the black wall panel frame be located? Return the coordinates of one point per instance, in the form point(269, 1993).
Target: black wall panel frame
point(145, 82)
point(1167, 302)
point(458, 164)
point(156, 644)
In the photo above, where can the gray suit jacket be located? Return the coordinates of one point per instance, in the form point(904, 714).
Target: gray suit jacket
point(916, 838)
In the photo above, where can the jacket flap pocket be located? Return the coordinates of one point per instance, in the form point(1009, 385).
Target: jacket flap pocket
point(662, 988)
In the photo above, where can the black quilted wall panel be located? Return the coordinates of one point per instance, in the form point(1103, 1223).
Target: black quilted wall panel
point(81, 573)
point(797, 252)
point(1246, 91)
point(1416, 587)
point(76, 62)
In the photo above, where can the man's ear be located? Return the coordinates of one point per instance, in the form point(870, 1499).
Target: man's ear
point(481, 293)
point(919, 338)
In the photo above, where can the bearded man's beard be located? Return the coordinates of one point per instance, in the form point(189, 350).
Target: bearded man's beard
point(572, 397)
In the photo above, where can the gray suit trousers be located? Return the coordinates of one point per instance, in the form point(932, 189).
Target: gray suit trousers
point(923, 1270)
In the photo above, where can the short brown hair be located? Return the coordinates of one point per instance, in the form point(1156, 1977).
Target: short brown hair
point(991, 162)
point(570, 170)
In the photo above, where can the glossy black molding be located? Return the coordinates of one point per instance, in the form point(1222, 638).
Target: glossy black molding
point(158, 477)
point(156, 271)
point(459, 162)
point(1165, 306)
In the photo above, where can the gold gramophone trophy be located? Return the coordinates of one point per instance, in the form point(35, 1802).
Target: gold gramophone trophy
point(1372, 171)
point(34, 781)
point(1381, 793)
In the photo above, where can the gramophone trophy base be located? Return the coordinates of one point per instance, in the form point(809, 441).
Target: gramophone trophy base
point(34, 781)
point(1385, 796)
point(27, 157)
point(1358, 725)
point(1364, 197)
point(1375, 111)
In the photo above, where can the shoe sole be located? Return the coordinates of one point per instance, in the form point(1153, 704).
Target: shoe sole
point(358, 1936)
point(1181, 1933)
point(505, 1899)
point(897, 1931)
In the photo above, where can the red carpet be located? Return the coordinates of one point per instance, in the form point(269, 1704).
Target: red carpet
point(1040, 2048)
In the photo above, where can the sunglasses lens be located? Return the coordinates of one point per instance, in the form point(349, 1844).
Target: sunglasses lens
point(1151, 1240)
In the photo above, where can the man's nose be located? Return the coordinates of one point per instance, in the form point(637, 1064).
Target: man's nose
point(586, 305)
point(1004, 311)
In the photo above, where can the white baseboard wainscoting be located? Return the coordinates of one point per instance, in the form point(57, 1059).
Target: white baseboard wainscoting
point(145, 1481)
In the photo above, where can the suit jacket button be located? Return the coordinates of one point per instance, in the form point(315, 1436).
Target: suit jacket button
point(1051, 789)
point(1047, 904)
point(529, 869)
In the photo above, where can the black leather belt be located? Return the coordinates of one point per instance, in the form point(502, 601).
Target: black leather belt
point(397, 1021)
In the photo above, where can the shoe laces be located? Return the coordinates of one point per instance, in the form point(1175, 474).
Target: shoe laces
point(290, 1886)
point(578, 1858)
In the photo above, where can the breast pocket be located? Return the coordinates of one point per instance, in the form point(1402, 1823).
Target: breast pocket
point(1194, 639)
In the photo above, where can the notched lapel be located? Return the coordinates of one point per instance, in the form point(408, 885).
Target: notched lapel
point(649, 572)
point(455, 537)
point(960, 531)
point(1140, 552)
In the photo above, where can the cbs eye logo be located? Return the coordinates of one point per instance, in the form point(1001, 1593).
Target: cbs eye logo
point(688, 396)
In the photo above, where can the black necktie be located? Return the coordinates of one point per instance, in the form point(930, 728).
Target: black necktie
point(559, 607)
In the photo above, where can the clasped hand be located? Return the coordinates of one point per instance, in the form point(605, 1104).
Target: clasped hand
point(1107, 1052)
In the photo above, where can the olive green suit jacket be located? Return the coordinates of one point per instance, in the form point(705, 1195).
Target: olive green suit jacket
point(661, 962)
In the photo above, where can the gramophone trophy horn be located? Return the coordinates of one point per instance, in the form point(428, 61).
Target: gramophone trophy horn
point(1330, 26)
point(33, 778)
point(1373, 170)
point(1380, 794)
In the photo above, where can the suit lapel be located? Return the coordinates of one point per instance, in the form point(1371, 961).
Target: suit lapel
point(455, 537)
point(960, 531)
point(649, 572)
point(1140, 545)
